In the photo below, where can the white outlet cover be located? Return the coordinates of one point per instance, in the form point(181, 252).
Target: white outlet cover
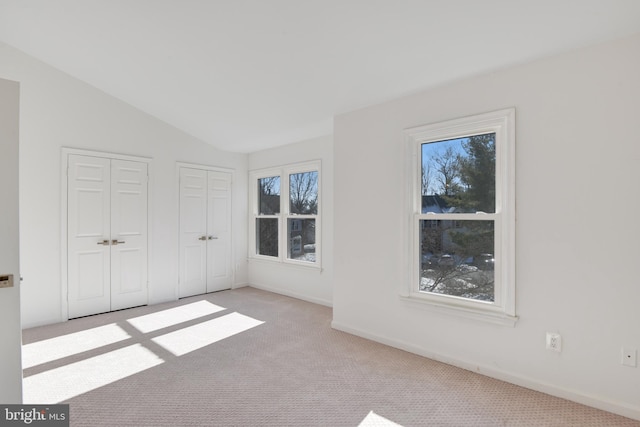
point(554, 342)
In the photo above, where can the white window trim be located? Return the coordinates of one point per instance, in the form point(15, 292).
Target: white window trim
point(502, 123)
point(283, 172)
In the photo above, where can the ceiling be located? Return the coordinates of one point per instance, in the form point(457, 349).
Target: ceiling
point(245, 75)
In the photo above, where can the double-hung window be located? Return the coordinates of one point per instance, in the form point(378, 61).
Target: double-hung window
point(462, 215)
point(286, 214)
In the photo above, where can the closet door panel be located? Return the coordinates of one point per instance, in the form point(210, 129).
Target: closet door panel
point(128, 234)
point(219, 273)
point(88, 234)
point(193, 232)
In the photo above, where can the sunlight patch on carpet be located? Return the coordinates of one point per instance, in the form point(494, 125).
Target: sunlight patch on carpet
point(63, 383)
point(195, 337)
point(56, 348)
point(375, 420)
point(173, 316)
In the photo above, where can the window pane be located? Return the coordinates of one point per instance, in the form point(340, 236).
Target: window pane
point(267, 236)
point(459, 175)
point(269, 195)
point(303, 193)
point(302, 239)
point(456, 258)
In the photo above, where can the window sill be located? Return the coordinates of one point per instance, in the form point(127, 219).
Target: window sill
point(473, 313)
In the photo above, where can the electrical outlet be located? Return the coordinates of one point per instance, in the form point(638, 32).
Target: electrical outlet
point(554, 342)
point(629, 357)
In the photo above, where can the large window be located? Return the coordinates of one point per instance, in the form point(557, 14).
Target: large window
point(286, 221)
point(461, 225)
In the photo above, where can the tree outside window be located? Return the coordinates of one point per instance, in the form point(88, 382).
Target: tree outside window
point(457, 256)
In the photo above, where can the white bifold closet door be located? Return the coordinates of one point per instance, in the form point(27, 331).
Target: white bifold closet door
point(107, 234)
point(205, 231)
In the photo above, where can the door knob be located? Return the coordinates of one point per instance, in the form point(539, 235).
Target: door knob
point(104, 242)
point(202, 238)
point(116, 242)
point(213, 238)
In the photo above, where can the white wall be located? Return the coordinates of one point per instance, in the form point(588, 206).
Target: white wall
point(305, 283)
point(10, 331)
point(577, 251)
point(60, 111)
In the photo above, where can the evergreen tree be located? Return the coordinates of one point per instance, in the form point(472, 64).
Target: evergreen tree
point(477, 175)
point(477, 171)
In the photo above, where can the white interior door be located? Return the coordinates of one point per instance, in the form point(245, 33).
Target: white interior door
point(205, 231)
point(128, 234)
point(88, 240)
point(219, 231)
point(106, 234)
point(193, 232)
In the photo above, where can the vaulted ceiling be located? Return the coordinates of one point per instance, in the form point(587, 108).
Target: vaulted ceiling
point(244, 75)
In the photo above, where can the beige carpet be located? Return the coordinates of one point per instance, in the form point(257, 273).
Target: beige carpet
point(252, 358)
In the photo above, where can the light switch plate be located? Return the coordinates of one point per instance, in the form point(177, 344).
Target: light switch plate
point(6, 280)
point(629, 357)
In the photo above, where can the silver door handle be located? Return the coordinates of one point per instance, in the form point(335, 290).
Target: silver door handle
point(104, 242)
point(202, 238)
point(213, 238)
point(116, 242)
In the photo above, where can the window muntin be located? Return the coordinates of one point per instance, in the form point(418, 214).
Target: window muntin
point(462, 225)
point(286, 211)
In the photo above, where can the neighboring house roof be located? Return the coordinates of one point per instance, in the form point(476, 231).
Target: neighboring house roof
point(436, 204)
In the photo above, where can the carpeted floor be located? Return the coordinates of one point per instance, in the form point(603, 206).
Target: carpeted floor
point(252, 358)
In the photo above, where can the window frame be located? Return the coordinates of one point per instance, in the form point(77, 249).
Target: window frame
point(502, 122)
point(285, 214)
point(258, 215)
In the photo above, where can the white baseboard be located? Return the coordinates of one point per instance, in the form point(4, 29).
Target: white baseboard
point(292, 294)
point(623, 409)
point(240, 285)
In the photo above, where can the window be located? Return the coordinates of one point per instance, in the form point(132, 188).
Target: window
point(462, 223)
point(286, 221)
point(267, 216)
